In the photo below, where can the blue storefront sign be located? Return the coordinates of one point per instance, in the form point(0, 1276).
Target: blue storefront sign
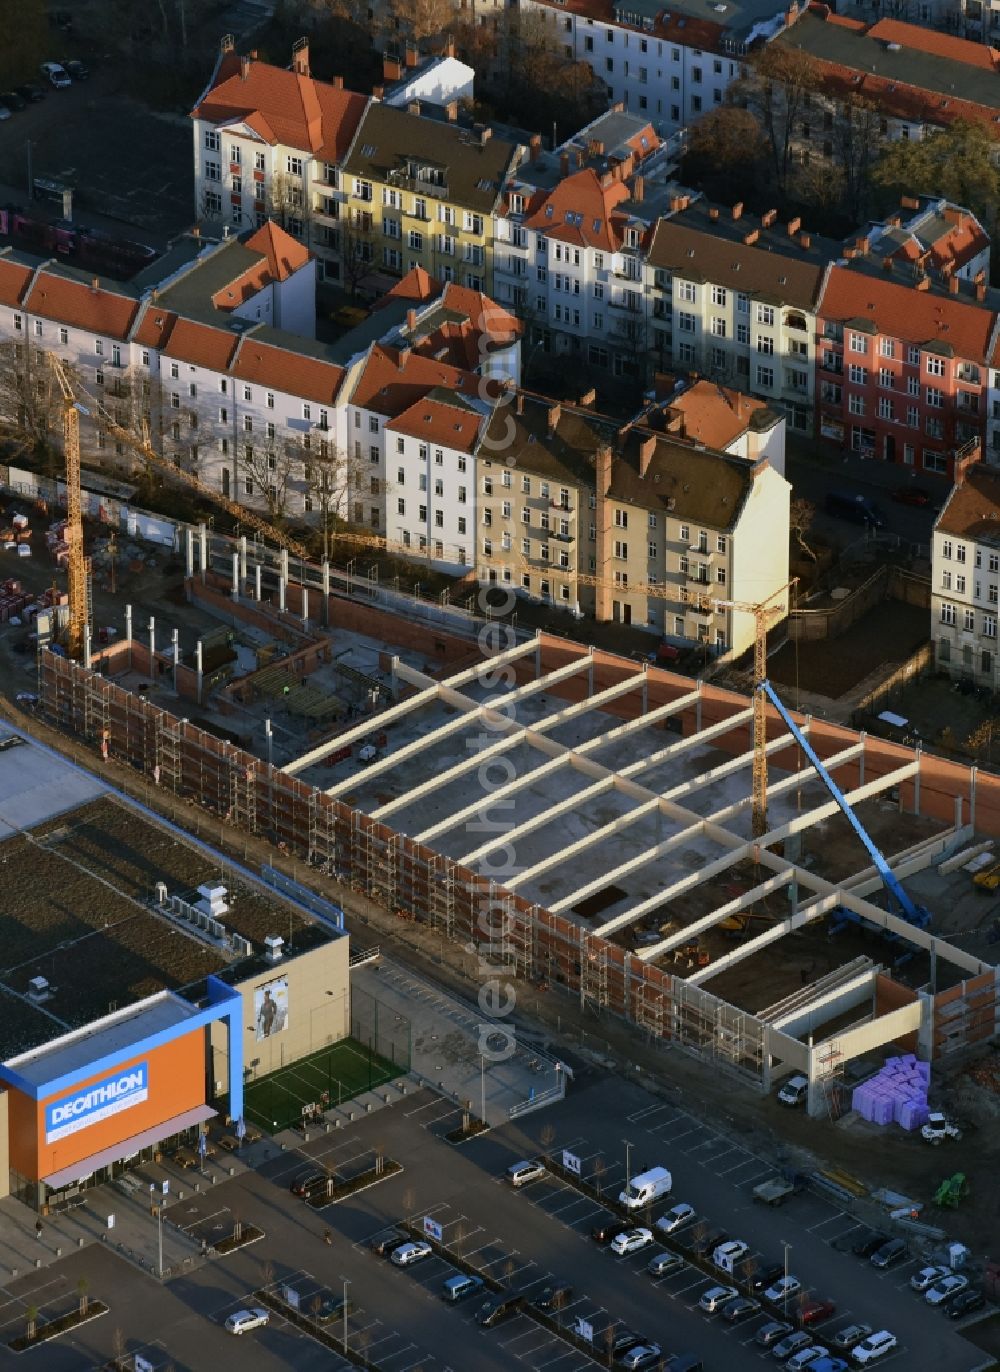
point(100, 1101)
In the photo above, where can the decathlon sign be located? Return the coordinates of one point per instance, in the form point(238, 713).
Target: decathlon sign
point(98, 1102)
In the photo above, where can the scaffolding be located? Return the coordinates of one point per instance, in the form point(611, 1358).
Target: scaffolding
point(168, 768)
point(652, 1007)
point(593, 971)
point(242, 795)
point(830, 1079)
point(321, 829)
point(441, 894)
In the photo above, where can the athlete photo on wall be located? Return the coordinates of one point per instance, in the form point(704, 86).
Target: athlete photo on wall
point(270, 1008)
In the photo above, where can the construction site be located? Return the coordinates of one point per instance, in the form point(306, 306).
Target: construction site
point(593, 820)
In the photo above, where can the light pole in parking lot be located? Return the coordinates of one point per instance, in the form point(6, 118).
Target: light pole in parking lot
point(346, 1285)
point(628, 1162)
point(788, 1248)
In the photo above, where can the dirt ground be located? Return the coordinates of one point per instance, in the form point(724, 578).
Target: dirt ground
point(889, 632)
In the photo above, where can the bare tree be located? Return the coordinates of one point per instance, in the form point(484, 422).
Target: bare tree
point(31, 1319)
point(801, 513)
point(82, 1287)
point(778, 87)
point(119, 1349)
point(421, 19)
point(266, 1274)
point(30, 402)
point(548, 1136)
point(600, 1167)
point(269, 466)
point(331, 477)
point(357, 248)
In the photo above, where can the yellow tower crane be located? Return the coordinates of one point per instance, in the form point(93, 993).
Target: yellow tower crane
point(76, 563)
point(764, 612)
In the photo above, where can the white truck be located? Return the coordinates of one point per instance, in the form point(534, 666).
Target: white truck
point(938, 1128)
point(646, 1188)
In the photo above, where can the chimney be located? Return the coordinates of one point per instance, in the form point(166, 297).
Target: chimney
point(553, 418)
point(411, 321)
point(737, 209)
point(449, 47)
point(766, 220)
point(253, 54)
point(485, 134)
point(337, 82)
point(378, 92)
point(953, 215)
point(647, 447)
point(793, 226)
point(980, 291)
point(909, 202)
point(244, 68)
point(962, 464)
point(638, 189)
point(404, 357)
point(738, 404)
point(887, 264)
point(862, 243)
point(392, 69)
point(535, 147)
point(413, 107)
point(805, 240)
point(588, 399)
point(953, 285)
point(300, 57)
point(95, 284)
point(713, 213)
point(676, 204)
point(564, 164)
point(411, 55)
point(520, 402)
point(451, 110)
point(751, 237)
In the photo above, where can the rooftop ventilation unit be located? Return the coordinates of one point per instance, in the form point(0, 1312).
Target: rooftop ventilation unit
point(273, 945)
point(38, 989)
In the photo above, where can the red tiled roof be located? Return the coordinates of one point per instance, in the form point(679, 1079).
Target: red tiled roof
point(389, 388)
point(280, 256)
point(437, 422)
point(973, 508)
point(714, 415)
point(14, 279)
point(284, 107)
point(201, 345)
point(291, 372)
point(580, 210)
point(692, 32)
point(154, 326)
point(417, 285)
point(937, 44)
point(81, 306)
point(896, 100)
point(900, 311)
point(483, 313)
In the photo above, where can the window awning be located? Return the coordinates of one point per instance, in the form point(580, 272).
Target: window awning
point(147, 1139)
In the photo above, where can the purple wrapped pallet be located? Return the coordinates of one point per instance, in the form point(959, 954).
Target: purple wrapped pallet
point(883, 1111)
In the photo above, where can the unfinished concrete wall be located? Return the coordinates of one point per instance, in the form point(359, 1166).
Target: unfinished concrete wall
point(894, 1027)
point(891, 996)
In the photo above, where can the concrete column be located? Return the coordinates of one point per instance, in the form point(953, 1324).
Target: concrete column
point(916, 780)
point(189, 551)
point(645, 688)
point(697, 709)
point(86, 646)
point(152, 644)
point(933, 956)
point(973, 773)
point(538, 654)
point(198, 670)
point(326, 594)
point(243, 557)
point(590, 676)
point(283, 563)
point(958, 812)
point(305, 605)
point(177, 655)
point(236, 577)
point(128, 632)
point(203, 549)
point(269, 733)
point(861, 760)
point(256, 581)
point(282, 591)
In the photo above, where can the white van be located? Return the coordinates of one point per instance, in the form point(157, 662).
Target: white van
point(646, 1188)
point(794, 1090)
point(728, 1256)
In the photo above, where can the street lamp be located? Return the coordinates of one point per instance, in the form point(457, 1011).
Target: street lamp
point(346, 1285)
point(482, 1088)
point(628, 1163)
point(787, 1247)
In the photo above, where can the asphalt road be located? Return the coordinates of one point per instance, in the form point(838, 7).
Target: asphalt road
point(520, 1237)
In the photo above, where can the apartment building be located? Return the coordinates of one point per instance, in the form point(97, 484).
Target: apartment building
point(904, 362)
point(736, 298)
point(423, 192)
point(670, 66)
point(718, 417)
point(637, 525)
point(268, 144)
point(965, 572)
point(917, 79)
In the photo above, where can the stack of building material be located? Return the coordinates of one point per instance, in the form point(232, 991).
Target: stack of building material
point(56, 539)
point(12, 600)
point(897, 1094)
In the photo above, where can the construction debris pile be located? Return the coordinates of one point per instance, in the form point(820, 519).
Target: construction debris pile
point(897, 1094)
point(17, 539)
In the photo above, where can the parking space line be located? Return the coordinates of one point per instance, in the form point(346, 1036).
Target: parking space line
point(830, 1219)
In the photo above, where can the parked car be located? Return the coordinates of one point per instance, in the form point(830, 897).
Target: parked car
point(874, 1347)
point(76, 70)
point(769, 1334)
point(829, 1364)
point(739, 1309)
point(913, 495)
point(677, 1217)
point(662, 1263)
point(13, 101)
point(791, 1343)
point(520, 1173)
point(964, 1304)
point(331, 1308)
point(53, 73)
point(461, 1287)
point(926, 1277)
point(408, 1253)
point(604, 1230)
point(622, 1340)
point(766, 1274)
point(31, 93)
point(814, 1311)
point(850, 1335)
point(805, 1357)
point(496, 1309)
point(795, 1090)
point(783, 1290)
point(631, 1241)
point(946, 1289)
point(715, 1297)
point(4, 112)
point(645, 1355)
point(305, 1183)
point(553, 1297)
point(869, 1243)
point(245, 1320)
point(889, 1254)
point(385, 1241)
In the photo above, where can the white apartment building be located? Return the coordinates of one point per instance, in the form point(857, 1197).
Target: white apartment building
point(268, 144)
point(965, 573)
point(736, 299)
point(669, 65)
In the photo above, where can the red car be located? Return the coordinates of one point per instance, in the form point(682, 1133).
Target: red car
point(913, 495)
point(814, 1311)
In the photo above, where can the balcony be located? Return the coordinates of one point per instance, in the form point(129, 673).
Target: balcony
point(325, 207)
point(627, 307)
point(418, 186)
